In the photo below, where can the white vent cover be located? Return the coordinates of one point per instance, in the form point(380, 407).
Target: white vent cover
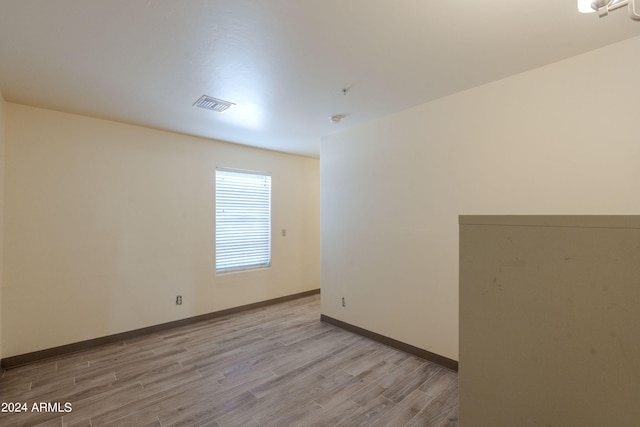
point(215, 104)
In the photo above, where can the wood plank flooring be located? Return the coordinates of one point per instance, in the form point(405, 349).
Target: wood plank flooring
point(273, 366)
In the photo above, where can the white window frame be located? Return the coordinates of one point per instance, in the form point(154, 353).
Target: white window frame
point(243, 220)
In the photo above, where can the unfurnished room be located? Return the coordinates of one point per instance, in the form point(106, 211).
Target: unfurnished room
point(319, 213)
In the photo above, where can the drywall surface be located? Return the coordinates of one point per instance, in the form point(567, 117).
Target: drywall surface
point(2, 125)
point(106, 223)
point(560, 139)
point(549, 316)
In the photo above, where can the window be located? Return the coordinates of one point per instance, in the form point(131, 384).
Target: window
point(243, 220)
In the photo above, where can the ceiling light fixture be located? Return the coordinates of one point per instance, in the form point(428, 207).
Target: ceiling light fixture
point(603, 7)
point(336, 118)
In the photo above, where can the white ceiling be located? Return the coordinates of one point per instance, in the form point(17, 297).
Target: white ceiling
point(283, 62)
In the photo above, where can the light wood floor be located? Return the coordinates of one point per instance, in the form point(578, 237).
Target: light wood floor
point(274, 366)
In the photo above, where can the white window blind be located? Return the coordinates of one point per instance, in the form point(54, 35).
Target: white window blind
point(243, 220)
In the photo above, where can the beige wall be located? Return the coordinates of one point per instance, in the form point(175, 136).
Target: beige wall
point(549, 321)
point(1, 210)
point(106, 223)
point(559, 139)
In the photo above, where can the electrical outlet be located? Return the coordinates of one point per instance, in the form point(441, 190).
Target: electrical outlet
point(344, 302)
point(179, 300)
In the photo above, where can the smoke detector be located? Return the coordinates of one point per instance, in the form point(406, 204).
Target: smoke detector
point(214, 104)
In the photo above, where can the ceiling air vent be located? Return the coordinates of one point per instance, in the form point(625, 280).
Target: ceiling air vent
point(214, 104)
